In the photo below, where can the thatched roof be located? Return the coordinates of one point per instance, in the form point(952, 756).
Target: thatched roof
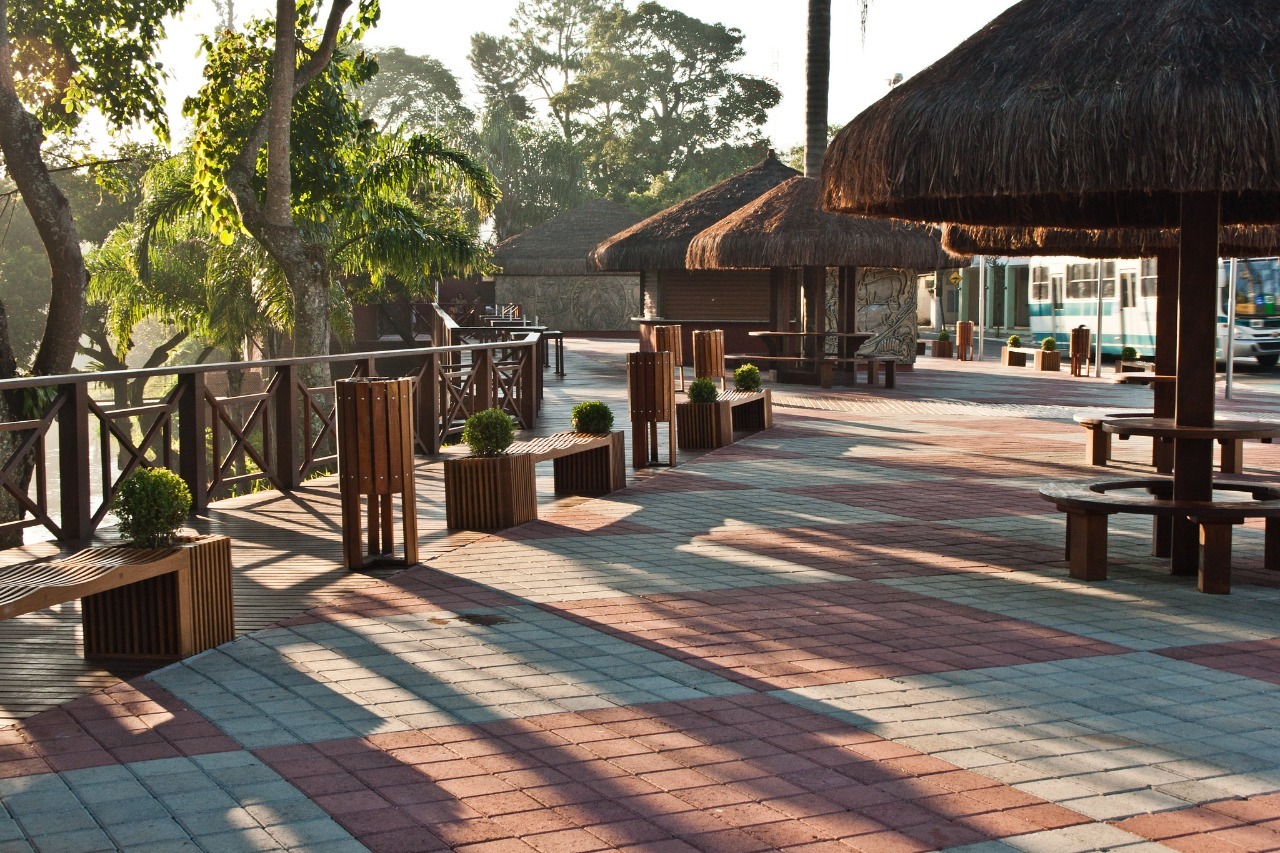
point(562, 245)
point(1083, 114)
point(1238, 241)
point(660, 241)
point(785, 228)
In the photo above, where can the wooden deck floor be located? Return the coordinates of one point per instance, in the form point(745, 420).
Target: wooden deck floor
point(287, 554)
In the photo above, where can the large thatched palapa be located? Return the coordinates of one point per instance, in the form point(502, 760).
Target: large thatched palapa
point(735, 301)
point(876, 260)
point(547, 269)
point(786, 228)
point(1093, 114)
point(1090, 114)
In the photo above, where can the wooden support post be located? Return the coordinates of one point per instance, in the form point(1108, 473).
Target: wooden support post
point(428, 406)
point(1097, 445)
point(285, 405)
point(482, 371)
point(1232, 456)
point(1271, 546)
point(73, 461)
point(1087, 534)
point(193, 423)
point(1215, 557)
point(1197, 338)
point(529, 385)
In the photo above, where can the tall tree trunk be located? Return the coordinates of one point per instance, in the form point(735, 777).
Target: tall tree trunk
point(21, 136)
point(817, 79)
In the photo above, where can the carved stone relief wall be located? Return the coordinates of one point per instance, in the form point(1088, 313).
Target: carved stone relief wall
point(831, 306)
point(584, 303)
point(886, 307)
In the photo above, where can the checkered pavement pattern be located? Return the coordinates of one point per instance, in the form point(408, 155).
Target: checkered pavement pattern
point(854, 631)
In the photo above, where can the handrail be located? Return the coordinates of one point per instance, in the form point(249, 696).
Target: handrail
point(63, 461)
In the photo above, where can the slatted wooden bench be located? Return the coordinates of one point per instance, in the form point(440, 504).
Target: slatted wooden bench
point(139, 603)
point(1088, 506)
point(872, 365)
point(706, 426)
point(499, 492)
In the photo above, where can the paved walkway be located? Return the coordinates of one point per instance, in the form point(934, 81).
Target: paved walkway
point(851, 632)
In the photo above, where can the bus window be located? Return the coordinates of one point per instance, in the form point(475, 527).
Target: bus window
point(1082, 282)
point(1039, 284)
point(1056, 288)
point(1109, 280)
point(1128, 290)
point(1149, 277)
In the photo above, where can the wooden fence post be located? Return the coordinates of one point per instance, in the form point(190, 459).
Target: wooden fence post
point(428, 406)
point(73, 461)
point(482, 373)
point(193, 448)
point(285, 404)
point(530, 385)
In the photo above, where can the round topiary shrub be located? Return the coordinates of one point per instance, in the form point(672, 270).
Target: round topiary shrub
point(489, 433)
point(592, 416)
point(703, 391)
point(152, 504)
point(747, 378)
point(1049, 345)
point(1014, 342)
point(1128, 354)
point(944, 335)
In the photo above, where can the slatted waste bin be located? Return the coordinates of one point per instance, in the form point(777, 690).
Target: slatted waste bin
point(668, 339)
point(651, 387)
point(708, 355)
point(375, 462)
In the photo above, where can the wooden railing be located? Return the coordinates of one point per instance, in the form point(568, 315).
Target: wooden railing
point(63, 462)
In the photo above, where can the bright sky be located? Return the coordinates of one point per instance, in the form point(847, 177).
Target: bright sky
point(903, 36)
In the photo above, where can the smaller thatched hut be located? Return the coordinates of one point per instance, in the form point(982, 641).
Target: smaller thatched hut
point(547, 270)
point(736, 301)
point(829, 271)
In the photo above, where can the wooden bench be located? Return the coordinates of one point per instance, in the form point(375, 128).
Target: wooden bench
point(705, 426)
point(1097, 443)
point(807, 370)
point(139, 603)
point(1088, 505)
point(1017, 356)
point(493, 493)
point(1141, 378)
point(872, 364)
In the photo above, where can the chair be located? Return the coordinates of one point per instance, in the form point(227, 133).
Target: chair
point(651, 391)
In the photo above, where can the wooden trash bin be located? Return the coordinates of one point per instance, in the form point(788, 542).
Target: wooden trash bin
point(651, 390)
point(964, 340)
point(1080, 342)
point(668, 339)
point(375, 461)
point(708, 355)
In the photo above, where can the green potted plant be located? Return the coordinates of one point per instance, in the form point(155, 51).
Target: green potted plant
point(747, 378)
point(593, 417)
point(1009, 355)
point(489, 433)
point(152, 505)
point(183, 579)
point(1048, 357)
point(942, 345)
point(490, 489)
point(1130, 361)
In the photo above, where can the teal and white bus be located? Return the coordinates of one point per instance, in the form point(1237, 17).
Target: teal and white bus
point(1064, 293)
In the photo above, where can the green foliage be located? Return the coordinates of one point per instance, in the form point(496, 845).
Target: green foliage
point(703, 391)
point(489, 433)
point(1014, 341)
point(415, 93)
point(1049, 345)
point(944, 335)
point(592, 416)
point(74, 56)
point(747, 378)
point(152, 504)
point(1128, 354)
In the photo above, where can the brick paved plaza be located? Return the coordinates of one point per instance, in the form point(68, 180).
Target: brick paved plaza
point(851, 632)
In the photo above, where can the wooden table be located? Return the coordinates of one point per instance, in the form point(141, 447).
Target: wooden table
point(1229, 434)
point(806, 351)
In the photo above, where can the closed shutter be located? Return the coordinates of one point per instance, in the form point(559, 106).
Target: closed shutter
point(730, 296)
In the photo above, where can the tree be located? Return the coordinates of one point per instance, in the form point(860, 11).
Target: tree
point(416, 93)
point(336, 196)
point(58, 60)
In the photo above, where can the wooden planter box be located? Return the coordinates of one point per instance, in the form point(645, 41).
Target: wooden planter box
point(942, 349)
point(179, 605)
point(1046, 360)
point(1013, 357)
point(490, 493)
